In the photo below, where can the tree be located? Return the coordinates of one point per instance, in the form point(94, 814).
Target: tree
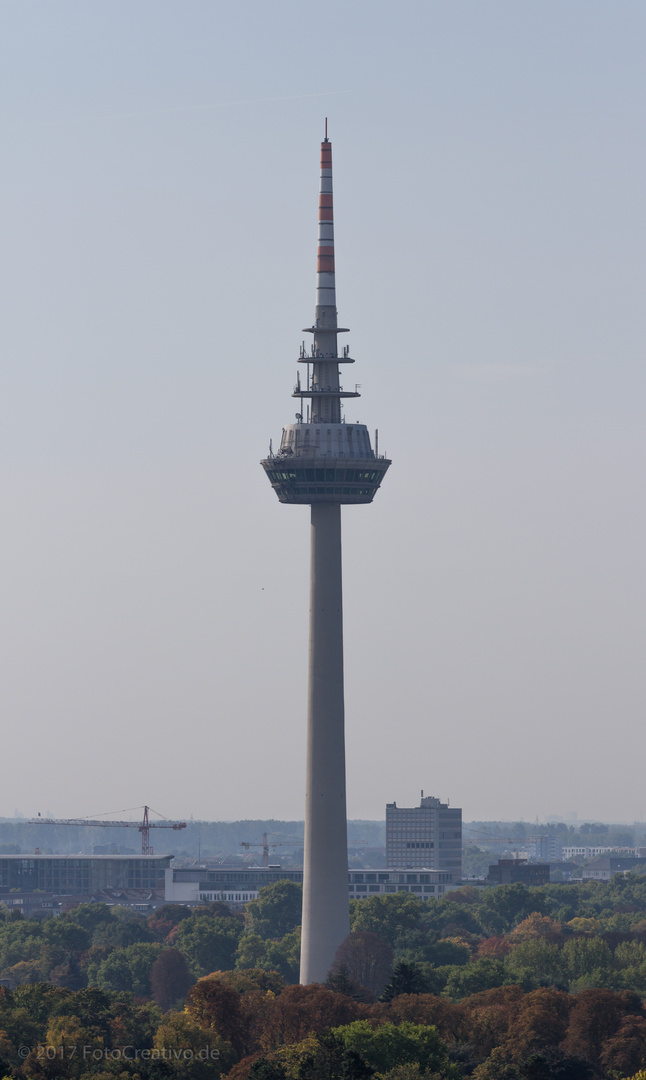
point(89, 916)
point(166, 918)
point(389, 1045)
point(445, 918)
point(69, 974)
point(595, 1018)
point(127, 969)
point(494, 948)
point(253, 979)
point(626, 1050)
point(302, 1010)
point(318, 1057)
point(581, 925)
point(406, 979)
point(68, 935)
point(451, 1020)
point(123, 928)
point(535, 926)
point(446, 951)
point(541, 1023)
point(284, 956)
point(212, 1005)
point(20, 941)
point(277, 911)
point(366, 959)
point(208, 944)
point(341, 983)
point(192, 1052)
point(251, 951)
point(489, 1016)
point(537, 961)
point(67, 1034)
point(387, 916)
point(483, 974)
point(170, 979)
point(264, 1069)
point(504, 906)
point(583, 955)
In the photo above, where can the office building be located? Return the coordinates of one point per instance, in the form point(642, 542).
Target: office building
point(428, 835)
point(198, 885)
point(80, 875)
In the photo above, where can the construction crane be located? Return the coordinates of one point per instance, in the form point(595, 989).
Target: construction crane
point(144, 826)
point(265, 845)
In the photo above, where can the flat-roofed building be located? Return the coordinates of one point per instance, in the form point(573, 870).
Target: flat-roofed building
point(428, 836)
point(585, 851)
point(511, 871)
point(192, 885)
point(199, 885)
point(80, 875)
point(426, 884)
point(605, 868)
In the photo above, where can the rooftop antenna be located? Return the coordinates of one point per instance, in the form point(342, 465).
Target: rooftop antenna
point(326, 139)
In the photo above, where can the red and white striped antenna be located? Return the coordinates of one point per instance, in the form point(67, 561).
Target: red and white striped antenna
point(325, 279)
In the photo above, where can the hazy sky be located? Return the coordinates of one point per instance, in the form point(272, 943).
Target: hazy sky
point(158, 219)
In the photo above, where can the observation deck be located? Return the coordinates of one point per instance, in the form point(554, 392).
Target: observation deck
point(325, 463)
point(310, 480)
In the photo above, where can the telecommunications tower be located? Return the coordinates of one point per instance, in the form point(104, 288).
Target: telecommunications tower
point(324, 462)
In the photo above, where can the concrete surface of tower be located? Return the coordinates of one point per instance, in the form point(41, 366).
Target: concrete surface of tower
point(324, 462)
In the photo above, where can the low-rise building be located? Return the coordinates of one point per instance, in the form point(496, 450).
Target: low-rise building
point(510, 871)
point(605, 868)
point(199, 885)
point(425, 883)
point(80, 875)
point(586, 851)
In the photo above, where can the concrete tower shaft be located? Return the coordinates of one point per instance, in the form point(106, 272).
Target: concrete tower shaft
point(325, 462)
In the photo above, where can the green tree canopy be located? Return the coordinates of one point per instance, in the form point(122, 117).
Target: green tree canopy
point(277, 911)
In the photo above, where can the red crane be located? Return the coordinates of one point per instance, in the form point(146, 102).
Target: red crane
point(144, 826)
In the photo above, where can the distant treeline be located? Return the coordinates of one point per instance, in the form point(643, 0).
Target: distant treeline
point(208, 839)
point(221, 839)
point(591, 833)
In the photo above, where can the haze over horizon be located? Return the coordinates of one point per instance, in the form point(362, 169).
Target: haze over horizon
point(158, 263)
